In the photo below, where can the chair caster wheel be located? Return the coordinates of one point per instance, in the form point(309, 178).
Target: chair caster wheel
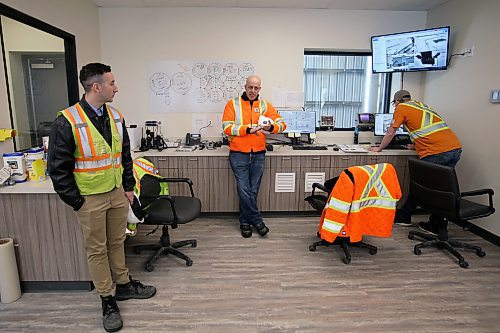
point(373, 252)
point(149, 268)
point(480, 253)
point(195, 244)
point(189, 262)
point(137, 251)
point(411, 236)
point(463, 263)
point(346, 261)
point(417, 252)
point(312, 248)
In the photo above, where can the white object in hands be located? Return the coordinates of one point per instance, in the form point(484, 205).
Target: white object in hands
point(265, 121)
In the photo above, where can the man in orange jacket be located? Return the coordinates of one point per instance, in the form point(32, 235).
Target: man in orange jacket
point(245, 121)
point(434, 142)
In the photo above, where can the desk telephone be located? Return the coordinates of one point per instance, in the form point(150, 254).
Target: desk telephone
point(193, 139)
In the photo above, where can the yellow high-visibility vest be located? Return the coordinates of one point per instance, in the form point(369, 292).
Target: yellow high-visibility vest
point(98, 167)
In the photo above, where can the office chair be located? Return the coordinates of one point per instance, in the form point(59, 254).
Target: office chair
point(166, 210)
point(319, 202)
point(435, 188)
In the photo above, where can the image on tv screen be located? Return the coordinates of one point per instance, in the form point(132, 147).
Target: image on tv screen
point(421, 50)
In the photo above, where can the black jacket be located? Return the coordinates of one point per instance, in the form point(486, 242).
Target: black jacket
point(61, 159)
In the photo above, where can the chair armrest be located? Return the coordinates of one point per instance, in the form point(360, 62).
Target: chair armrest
point(473, 193)
point(477, 192)
point(180, 180)
point(318, 185)
point(171, 201)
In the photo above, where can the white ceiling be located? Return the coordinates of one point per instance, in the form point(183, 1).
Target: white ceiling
point(403, 5)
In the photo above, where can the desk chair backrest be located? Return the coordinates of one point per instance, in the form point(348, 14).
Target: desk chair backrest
point(434, 187)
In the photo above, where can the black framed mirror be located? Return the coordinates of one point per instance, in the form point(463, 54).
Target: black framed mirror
point(41, 74)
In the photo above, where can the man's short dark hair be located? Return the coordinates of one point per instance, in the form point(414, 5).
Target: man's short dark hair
point(92, 73)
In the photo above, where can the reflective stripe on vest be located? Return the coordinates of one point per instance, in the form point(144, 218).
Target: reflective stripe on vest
point(426, 125)
point(332, 226)
point(384, 198)
point(117, 120)
point(143, 167)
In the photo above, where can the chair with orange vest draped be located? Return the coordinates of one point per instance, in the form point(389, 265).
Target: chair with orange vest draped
point(362, 202)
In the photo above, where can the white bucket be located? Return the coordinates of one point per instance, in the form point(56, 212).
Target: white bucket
point(15, 161)
point(35, 164)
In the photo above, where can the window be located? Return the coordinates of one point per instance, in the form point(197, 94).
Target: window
point(342, 85)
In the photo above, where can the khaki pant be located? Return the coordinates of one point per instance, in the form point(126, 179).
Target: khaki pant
point(103, 219)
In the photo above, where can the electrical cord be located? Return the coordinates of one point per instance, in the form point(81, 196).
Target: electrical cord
point(455, 54)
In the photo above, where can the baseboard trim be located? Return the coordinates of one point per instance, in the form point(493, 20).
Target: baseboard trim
point(483, 233)
point(51, 286)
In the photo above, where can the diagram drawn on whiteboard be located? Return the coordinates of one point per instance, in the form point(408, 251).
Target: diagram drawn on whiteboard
point(203, 86)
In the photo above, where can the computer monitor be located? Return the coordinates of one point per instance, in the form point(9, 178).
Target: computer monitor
point(303, 122)
point(383, 122)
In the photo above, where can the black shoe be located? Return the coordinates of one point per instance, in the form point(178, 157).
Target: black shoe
point(428, 228)
point(262, 229)
point(111, 319)
point(401, 220)
point(134, 289)
point(246, 230)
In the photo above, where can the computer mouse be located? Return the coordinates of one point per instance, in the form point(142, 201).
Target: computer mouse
point(336, 148)
point(269, 147)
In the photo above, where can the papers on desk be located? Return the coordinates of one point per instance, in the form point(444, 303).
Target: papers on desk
point(353, 149)
point(187, 149)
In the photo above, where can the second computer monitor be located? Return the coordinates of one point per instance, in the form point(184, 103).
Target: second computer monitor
point(383, 122)
point(299, 121)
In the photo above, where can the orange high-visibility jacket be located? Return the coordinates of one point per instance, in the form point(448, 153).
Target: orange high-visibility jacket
point(239, 115)
point(363, 202)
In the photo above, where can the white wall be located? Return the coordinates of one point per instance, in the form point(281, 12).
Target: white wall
point(461, 94)
point(77, 17)
point(274, 39)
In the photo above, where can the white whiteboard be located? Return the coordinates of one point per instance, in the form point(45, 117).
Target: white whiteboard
point(195, 86)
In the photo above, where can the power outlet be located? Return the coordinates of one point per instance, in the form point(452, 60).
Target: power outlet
point(469, 52)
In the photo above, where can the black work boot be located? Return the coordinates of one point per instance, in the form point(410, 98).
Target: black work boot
point(134, 289)
point(111, 319)
point(246, 230)
point(262, 229)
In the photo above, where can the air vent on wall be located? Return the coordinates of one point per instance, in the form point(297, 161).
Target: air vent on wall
point(313, 177)
point(284, 182)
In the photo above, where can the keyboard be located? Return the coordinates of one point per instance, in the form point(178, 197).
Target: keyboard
point(305, 147)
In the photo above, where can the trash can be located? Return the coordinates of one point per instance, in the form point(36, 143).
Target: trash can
point(10, 289)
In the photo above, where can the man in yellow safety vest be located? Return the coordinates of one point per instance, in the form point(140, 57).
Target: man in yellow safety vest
point(91, 169)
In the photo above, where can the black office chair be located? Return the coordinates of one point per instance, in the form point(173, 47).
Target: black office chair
point(435, 188)
point(166, 210)
point(318, 202)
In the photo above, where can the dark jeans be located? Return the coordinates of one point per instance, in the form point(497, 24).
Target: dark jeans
point(448, 158)
point(248, 170)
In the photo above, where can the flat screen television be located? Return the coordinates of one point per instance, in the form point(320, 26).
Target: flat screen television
point(299, 121)
point(422, 50)
point(383, 122)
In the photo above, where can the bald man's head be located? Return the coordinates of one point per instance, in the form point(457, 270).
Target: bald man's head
point(252, 87)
